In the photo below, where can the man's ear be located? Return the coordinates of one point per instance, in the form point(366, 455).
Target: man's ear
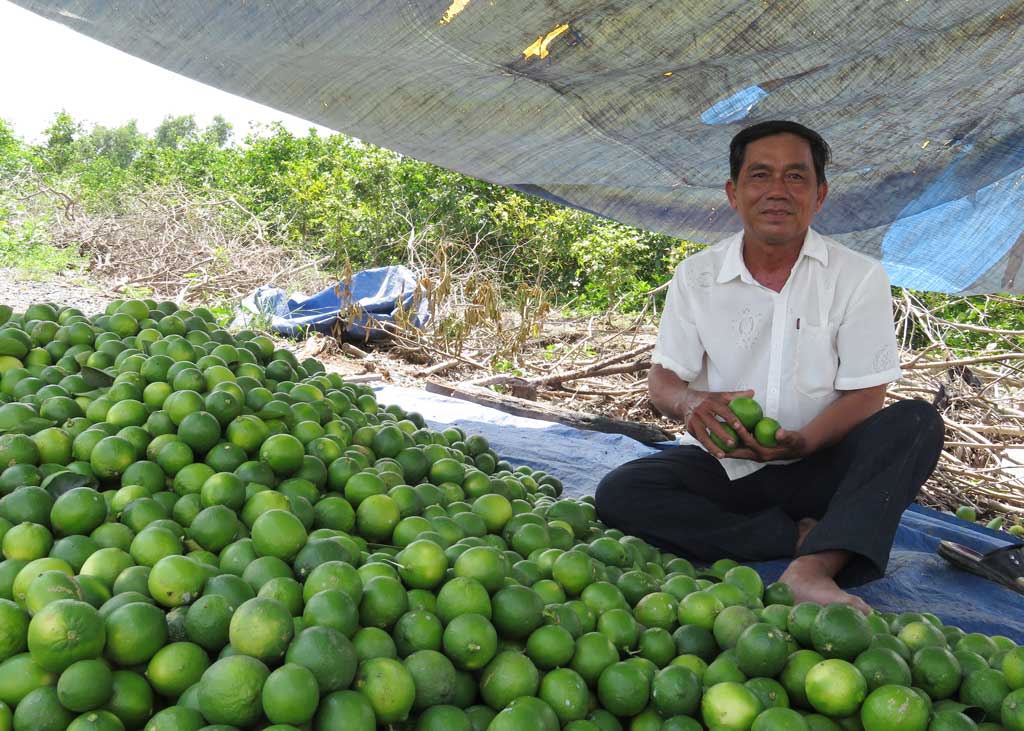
point(822, 194)
point(730, 191)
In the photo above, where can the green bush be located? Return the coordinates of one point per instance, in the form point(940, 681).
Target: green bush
point(359, 203)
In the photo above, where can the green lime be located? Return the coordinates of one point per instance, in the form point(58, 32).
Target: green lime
point(762, 650)
point(729, 705)
point(984, 689)
point(134, 633)
point(747, 410)
point(508, 676)
point(732, 622)
point(332, 608)
point(894, 708)
point(433, 675)
point(517, 611)
point(731, 441)
point(765, 431)
point(565, 691)
point(290, 695)
point(278, 533)
point(41, 710)
point(328, 654)
point(840, 631)
point(835, 688)
point(470, 640)
point(64, 632)
point(85, 685)
point(230, 691)
point(936, 671)
point(345, 709)
point(261, 628)
point(675, 691)
point(389, 687)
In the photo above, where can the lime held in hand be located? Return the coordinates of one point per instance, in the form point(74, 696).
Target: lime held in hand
point(720, 443)
point(764, 432)
point(747, 410)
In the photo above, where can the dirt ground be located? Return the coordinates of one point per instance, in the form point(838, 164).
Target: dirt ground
point(71, 290)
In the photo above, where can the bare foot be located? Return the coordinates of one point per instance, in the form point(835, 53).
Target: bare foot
point(803, 527)
point(810, 578)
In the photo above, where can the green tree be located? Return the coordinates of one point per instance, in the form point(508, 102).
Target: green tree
point(174, 132)
point(363, 204)
point(10, 148)
point(218, 132)
point(59, 150)
point(119, 145)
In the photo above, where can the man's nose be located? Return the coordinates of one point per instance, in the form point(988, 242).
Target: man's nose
point(777, 187)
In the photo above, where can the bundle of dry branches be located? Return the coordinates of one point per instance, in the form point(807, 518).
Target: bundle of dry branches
point(180, 246)
point(979, 396)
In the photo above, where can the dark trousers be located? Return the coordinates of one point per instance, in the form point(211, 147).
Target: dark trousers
point(682, 501)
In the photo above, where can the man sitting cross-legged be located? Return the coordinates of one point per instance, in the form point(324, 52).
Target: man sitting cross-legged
point(804, 325)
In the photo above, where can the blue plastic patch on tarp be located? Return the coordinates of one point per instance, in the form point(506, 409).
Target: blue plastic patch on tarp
point(734, 108)
point(916, 580)
point(944, 213)
point(357, 309)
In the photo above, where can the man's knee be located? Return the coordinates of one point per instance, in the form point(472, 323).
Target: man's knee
point(916, 422)
point(609, 498)
point(917, 428)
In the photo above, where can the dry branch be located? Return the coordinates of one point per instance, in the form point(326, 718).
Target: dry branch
point(546, 412)
point(177, 245)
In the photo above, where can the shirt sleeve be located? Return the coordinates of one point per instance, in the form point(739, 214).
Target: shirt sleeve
point(866, 339)
point(679, 347)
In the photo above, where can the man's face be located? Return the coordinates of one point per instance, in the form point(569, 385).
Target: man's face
point(776, 193)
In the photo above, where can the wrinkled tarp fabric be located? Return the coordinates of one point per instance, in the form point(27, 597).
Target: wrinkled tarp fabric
point(626, 109)
point(356, 309)
point(916, 579)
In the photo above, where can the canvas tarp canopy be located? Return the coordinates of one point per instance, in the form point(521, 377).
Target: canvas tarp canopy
point(626, 108)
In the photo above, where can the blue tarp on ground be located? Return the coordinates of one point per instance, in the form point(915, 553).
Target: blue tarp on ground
point(917, 579)
point(626, 109)
point(356, 308)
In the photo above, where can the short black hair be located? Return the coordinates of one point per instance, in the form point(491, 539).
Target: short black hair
point(821, 153)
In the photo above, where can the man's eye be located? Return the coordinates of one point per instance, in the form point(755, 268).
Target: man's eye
point(796, 176)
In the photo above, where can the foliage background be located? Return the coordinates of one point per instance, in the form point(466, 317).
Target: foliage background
point(336, 196)
point(358, 205)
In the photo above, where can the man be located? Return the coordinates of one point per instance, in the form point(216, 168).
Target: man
point(805, 326)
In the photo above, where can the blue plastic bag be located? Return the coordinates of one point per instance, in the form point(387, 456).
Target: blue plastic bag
point(358, 309)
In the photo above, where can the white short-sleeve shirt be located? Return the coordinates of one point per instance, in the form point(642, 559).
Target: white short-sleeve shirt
point(830, 329)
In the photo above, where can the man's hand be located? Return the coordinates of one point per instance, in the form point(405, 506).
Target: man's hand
point(700, 411)
point(789, 445)
point(827, 428)
point(704, 411)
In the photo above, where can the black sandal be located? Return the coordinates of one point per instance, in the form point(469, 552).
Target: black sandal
point(1003, 565)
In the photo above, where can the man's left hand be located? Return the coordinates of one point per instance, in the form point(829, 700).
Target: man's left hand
point(789, 445)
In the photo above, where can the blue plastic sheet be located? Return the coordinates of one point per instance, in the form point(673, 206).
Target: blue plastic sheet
point(626, 109)
point(357, 308)
point(916, 580)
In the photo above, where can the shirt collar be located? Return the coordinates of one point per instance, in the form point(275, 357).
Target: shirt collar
point(733, 265)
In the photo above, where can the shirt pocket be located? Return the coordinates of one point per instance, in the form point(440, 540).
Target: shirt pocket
point(816, 362)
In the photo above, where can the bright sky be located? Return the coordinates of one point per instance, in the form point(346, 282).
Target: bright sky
point(48, 67)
